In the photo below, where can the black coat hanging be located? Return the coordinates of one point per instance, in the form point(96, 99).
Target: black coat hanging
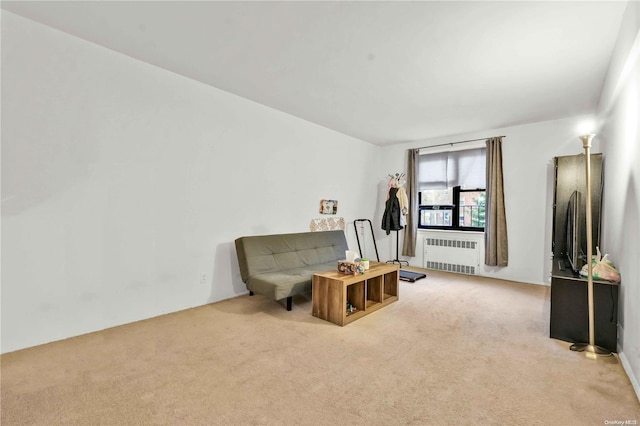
point(392, 212)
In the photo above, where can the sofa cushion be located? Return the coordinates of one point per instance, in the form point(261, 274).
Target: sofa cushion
point(282, 252)
point(281, 284)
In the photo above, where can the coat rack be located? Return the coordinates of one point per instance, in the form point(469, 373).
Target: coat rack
point(395, 182)
point(396, 260)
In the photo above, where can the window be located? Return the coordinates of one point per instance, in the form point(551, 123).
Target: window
point(452, 190)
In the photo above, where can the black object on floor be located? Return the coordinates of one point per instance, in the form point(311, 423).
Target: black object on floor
point(373, 238)
point(411, 276)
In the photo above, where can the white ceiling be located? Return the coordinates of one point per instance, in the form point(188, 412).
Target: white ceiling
point(384, 72)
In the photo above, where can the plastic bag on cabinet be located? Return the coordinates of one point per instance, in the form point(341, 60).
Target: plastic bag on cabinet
point(602, 268)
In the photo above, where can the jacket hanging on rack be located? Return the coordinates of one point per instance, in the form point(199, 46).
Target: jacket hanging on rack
point(404, 205)
point(392, 212)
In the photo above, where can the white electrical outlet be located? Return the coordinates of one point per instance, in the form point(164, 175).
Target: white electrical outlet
point(203, 278)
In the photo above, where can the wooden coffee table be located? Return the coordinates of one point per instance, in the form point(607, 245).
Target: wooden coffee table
point(366, 293)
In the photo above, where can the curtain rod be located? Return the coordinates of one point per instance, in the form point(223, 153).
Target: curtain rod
point(455, 143)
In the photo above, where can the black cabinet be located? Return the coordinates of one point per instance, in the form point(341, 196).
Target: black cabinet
point(569, 292)
point(570, 310)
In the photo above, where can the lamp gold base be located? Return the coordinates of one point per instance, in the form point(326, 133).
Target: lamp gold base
point(591, 351)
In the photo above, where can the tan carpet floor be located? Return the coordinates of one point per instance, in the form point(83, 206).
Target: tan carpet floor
point(453, 350)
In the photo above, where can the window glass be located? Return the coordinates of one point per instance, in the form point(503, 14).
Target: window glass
point(437, 197)
point(472, 208)
point(435, 217)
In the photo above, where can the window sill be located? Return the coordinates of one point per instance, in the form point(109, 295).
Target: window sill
point(450, 231)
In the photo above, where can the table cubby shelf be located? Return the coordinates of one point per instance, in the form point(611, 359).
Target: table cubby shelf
point(368, 292)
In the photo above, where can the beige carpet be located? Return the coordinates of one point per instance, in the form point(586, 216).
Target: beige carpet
point(452, 350)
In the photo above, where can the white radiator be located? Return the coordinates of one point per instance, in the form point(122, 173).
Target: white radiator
point(452, 255)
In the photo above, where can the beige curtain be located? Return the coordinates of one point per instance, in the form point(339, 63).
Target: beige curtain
point(495, 228)
point(411, 229)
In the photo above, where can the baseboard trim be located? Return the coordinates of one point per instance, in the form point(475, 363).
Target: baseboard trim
point(627, 368)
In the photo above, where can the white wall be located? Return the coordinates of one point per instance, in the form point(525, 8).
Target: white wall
point(528, 152)
point(620, 139)
point(123, 183)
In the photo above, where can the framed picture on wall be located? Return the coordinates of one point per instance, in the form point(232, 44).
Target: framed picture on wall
point(328, 207)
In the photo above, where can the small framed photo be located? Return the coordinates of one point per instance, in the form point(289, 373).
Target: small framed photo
point(328, 207)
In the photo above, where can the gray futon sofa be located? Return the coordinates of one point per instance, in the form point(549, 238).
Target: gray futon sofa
point(280, 266)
